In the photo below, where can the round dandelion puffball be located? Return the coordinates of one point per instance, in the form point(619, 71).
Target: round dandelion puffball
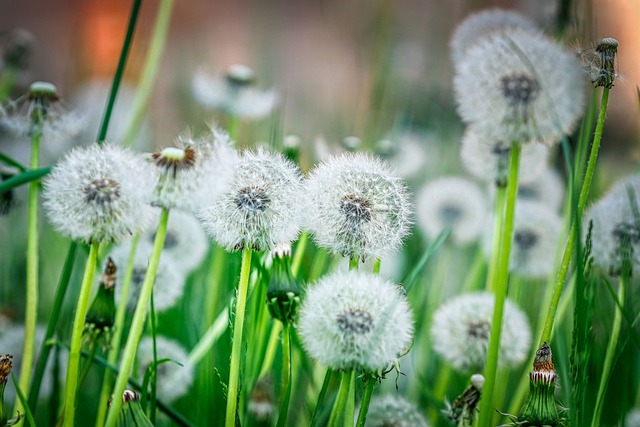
point(535, 240)
point(487, 159)
point(355, 320)
point(461, 328)
point(451, 202)
point(99, 193)
point(173, 380)
point(479, 25)
point(393, 410)
point(547, 189)
point(519, 86)
point(261, 208)
point(357, 207)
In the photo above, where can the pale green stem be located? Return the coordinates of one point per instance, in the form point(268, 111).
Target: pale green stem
point(297, 257)
point(610, 354)
point(149, 72)
point(76, 336)
point(475, 272)
point(31, 311)
point(582, 201)
point(353, 263)
point(339, 405)
point(214, 282)
point(366, 399)
point(272, 346)
point(209, 338)
point(502, 279)
point(285, 391)
point(114, 352)
point(236, 349)
point(376, 266)
point(139, 316)
point(350, 405)
point(498, 223)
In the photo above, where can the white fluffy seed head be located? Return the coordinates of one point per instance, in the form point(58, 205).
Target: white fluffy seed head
point(520, 86)
point(191, 183)
point(357, 207)
point(393, 410)
point(453, 202)
point(173, 380)
point(479, 25)
point(488, 159)
point(355, 320)
point(261, 208)
point(535, 239)
point(461, 329)
point(234, 95)
point(547, 188)
point(99, 193)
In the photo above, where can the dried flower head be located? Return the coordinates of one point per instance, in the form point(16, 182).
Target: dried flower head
point(355, 320)
point(132, 413)
point(461, 329)
point(6, 364)
point(357, 207)
point(479, 25)
point(487, 159)
point(452, 202)
point(99, 193)
point(463, 409)
point(520, 86)
point(394, 410)
point(540, 408)
point(261, 209)
point(193, 174)
point(600, 62)
point(234, 93)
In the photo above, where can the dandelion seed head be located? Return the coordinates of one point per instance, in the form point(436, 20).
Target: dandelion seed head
point(408, 153)
point(357, 207)
point(451, 202)
point(393, 410)
point(344, 323)
point(461, 330)
point(520, 86)
point(547, 189)
point(99, 193)
point(261, 208)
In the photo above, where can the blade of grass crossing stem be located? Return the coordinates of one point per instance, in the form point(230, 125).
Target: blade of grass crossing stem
point(429, 253)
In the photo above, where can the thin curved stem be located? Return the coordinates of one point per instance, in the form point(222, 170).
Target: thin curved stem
point(366, 399)
point(498, 223)
point(285, 392)
point(338, 411)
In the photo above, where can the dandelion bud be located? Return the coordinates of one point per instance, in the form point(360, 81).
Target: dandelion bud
point(540, 407)
point(102, 312)
point(607, 49)
point(283, 294)
point(463, 409)
point(5, 370)
point(132, 414)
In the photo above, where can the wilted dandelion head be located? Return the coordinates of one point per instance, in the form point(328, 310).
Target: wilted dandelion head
point(535, 238)
point(260, 210)
point(234, 93)
point(355, 320)
point(40, 111)
point(479, 25)
point(393, 410)
point(452, 202)
point(99, 193)
point(520, 86)
point(601, 62)
point(195, 172)
point(461, 329)
point(487, 158)
point(357, 207)
point(173, 380)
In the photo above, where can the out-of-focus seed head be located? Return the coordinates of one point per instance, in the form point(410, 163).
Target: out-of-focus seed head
point(17, 49)
point(463, 409)
point(394, 410)
point(261, 404)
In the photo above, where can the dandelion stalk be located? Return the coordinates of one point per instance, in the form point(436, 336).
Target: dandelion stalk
point(137, 324)
point(76, 337)
point(285, 393)
point(502, 280)
point(339, 406)
point(366, 399)
point(498, 223)
point(238, 325)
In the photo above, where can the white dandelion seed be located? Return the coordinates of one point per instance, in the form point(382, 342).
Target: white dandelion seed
point(479, 25)
point(99, 193)
point(487, 159)
point(393, 410)
point(261, 209)
point(355, 320)
point(453, 202)
point(461, 328)
point(547, 188)
point(195, 173)
point(234, 93)
point(357, 207)
point(535, 239)
point(173, 380)
point(520, 86)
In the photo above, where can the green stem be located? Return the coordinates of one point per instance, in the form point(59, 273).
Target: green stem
point(285, 391)
point(350, 405)
point(236, 348)
point(498, 223)
point(210, 337)
point(611, 350)
point(114, 352)
point(584, 194)
point(366, 399)
point(87, 367)
point(321, 395)
point(502, 280)
point(272, 345)
point(76, 336)
point(150, 71)
point(31, 311)
point(137, 324)
point(297, 258)
point(215, 285)
point(338, 411)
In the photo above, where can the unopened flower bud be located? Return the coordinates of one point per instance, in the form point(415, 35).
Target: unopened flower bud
point(132, 414)
point(101, 315)
point(540, 407)
point(607, 49)
point(283, 294)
